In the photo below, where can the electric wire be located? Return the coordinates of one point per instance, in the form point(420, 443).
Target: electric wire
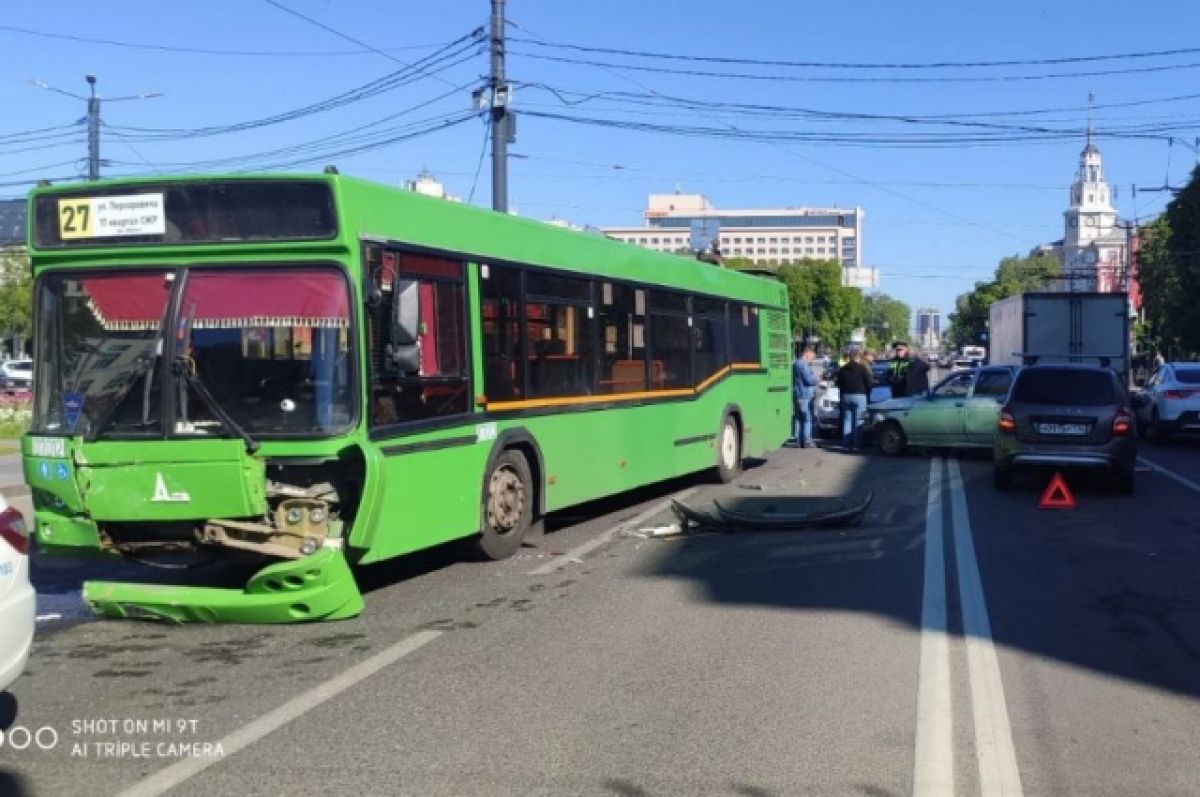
point(859, 65)
point(203, 50)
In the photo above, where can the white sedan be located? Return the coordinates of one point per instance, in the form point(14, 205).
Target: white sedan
point(17, 601)
point(1170, 401)
point(16, 374)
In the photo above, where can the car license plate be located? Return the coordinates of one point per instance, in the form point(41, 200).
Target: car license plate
point(1062, 428)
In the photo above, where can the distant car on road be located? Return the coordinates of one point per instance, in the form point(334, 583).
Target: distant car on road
point(1170, 401)
point(1066, 416)
point(17, 601)
point(958, 412)
point(16, 375)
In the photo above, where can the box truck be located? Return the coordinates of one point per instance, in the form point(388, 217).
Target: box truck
point(1048, 328)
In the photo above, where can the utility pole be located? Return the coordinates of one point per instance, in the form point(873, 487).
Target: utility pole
point(93, 117)
point(499, 108)
point(93, 130)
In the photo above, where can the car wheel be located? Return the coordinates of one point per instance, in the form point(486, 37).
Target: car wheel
point(507, 507)
point(891, 439)
point(1125, 482)
point(729, 451)
point(1002, 477)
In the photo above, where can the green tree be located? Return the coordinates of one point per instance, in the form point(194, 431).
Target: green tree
point(16, 298)
point(1182, 317)
point(968, 322)
point(1162, 295)
point(886, 320)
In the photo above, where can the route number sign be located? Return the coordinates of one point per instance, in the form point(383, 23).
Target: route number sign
point(111, 216)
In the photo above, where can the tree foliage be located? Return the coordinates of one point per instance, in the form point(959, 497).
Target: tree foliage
point(1015, 274)
point(1169, 274)
point(886, 320)
point(16, 295)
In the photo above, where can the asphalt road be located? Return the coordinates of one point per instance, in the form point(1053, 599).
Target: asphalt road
point(958, 641)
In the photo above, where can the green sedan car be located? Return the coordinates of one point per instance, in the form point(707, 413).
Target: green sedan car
point(959, 412)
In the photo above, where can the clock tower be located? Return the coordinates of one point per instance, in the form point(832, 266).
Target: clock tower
point(1091, 225)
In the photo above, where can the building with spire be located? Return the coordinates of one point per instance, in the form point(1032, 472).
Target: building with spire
point(1095, 247)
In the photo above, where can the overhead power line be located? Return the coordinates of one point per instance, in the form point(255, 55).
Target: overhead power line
point(716, 59)
point(826, 166)
point(775, 77)
point(204, 50)
point(453, 54)
point(351, 39)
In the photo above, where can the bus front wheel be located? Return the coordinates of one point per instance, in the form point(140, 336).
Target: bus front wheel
point(729, 451)
point(507, 507)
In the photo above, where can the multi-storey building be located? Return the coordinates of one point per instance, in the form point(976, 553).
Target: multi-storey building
point(766, 236)
point(929, 319)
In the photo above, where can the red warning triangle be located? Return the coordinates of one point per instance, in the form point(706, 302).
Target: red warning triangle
point(1057, 495)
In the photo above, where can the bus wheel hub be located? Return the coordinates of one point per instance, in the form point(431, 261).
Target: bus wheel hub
point(506, 500)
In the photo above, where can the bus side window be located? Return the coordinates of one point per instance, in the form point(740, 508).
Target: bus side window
point(503, 344)
point(622, 355)
point(441, 385)
point(710, 328)
point(560, 323)
point(743, 333)
point(671, 339)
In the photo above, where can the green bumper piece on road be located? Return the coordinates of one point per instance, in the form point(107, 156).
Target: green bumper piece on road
point(317, 587)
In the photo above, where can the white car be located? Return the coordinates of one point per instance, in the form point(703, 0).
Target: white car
point(16, 374)
point(17, 600)
point(1170, 401)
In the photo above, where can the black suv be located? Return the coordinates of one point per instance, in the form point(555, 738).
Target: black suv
point(1066, 416)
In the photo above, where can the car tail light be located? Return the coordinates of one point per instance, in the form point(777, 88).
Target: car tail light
point(12, 530)
point(1006, 423)
point(1122, 423)
point(1178, 394)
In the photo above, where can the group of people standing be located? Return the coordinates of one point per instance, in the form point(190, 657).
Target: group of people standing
point(907, 376)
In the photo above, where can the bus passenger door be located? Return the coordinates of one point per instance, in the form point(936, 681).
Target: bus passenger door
point(420, 402)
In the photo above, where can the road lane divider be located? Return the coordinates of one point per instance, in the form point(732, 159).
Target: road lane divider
point(933, 768)
point(578, 552)
point(169, 777)
point(1186, 482)
point(994, 750)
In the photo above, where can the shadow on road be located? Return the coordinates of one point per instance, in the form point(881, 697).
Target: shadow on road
point(1111, 587)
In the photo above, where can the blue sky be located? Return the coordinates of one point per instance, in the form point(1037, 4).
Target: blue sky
point(937, 218)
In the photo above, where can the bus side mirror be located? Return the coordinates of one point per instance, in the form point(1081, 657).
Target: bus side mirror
point(403, 351)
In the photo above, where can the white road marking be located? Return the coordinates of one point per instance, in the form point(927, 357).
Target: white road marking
point(933, 768)
point(1186, 482)
point(994, 751)
point(577, 553)
point(168, 778)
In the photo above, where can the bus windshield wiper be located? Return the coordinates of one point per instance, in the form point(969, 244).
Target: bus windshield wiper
point(184, 369)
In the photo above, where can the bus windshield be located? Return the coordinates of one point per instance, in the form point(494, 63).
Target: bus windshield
point(269, 346)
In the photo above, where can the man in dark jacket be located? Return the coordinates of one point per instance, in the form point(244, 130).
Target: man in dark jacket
point(854, 385)
point(907, 375)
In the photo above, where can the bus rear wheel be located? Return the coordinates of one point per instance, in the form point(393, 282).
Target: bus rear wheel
point(729, 451)
point(507, 507)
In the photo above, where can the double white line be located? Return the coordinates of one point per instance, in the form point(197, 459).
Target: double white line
point(933, 772)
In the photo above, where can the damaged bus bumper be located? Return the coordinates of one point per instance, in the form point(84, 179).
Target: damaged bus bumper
point(316, 587)
point(221, 505)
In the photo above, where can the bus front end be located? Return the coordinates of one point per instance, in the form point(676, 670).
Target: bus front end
point(195, 405)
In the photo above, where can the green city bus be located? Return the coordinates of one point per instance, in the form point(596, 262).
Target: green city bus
point(311, 372)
